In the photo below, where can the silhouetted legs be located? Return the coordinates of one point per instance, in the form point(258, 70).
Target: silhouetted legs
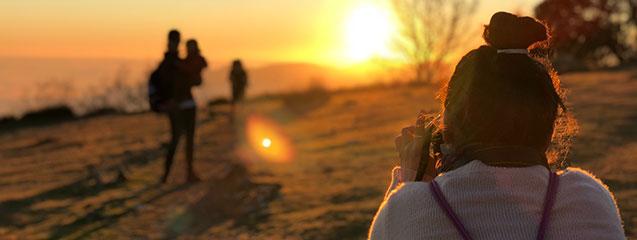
point(180, 121)
point(237, 96)
point(175, 133)
point(190, 116)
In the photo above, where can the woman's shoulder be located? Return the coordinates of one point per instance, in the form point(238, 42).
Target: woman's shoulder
point(584, 201)
point(416, 187)
point(410, 192)
point(575, 184)
point(409, 202)
point(577, 177)
point(584, 187)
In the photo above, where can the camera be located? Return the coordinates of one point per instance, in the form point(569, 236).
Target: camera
point(427, 126)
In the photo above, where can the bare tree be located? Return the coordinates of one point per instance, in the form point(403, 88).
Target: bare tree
point(431, 31)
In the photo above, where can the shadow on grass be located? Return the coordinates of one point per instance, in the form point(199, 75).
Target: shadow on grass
point(82, 188)
point(99, 218)
point(345, 224)
point(233, 197)
point(77, 190)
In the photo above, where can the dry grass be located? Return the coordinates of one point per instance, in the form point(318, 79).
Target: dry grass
point(344, 153)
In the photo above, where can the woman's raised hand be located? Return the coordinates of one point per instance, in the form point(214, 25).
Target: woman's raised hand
point(409, 145)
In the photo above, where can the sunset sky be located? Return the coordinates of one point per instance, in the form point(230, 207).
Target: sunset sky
point(330, 32)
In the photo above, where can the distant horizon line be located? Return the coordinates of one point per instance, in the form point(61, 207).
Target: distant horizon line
point(252, 63)
point(158, 58)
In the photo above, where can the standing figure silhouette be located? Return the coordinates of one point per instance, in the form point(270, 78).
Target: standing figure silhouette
point(181, 107)
point(239, 82)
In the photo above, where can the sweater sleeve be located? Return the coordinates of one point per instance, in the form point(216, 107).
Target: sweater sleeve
point(378, 229)
point(588, 192)
point(379, 225)
point(399, 176)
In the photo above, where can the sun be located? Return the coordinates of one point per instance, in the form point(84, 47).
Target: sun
point(368, 32)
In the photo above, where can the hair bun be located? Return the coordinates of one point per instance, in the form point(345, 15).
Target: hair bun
point(510, 31)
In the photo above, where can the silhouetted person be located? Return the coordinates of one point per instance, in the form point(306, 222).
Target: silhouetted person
point(238, 81)
point(181, 106)
point(194, 63)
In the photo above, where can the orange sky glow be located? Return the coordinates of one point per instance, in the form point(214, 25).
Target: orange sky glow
point(330, 32)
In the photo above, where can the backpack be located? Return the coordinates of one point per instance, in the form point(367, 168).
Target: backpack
point(157, 89)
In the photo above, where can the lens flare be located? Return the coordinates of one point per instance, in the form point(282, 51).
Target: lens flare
point(268, 140)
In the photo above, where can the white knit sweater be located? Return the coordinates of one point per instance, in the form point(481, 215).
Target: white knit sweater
point(499, 203)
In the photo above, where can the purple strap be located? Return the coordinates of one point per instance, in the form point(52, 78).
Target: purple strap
point(546, 211)
point(548, 204)
point(433, 186)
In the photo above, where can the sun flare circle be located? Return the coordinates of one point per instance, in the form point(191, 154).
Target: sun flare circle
point(368, 32)
point(267, 139)
point(266, 142)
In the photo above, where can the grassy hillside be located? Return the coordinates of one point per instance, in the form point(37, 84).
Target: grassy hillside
point(343, 145)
